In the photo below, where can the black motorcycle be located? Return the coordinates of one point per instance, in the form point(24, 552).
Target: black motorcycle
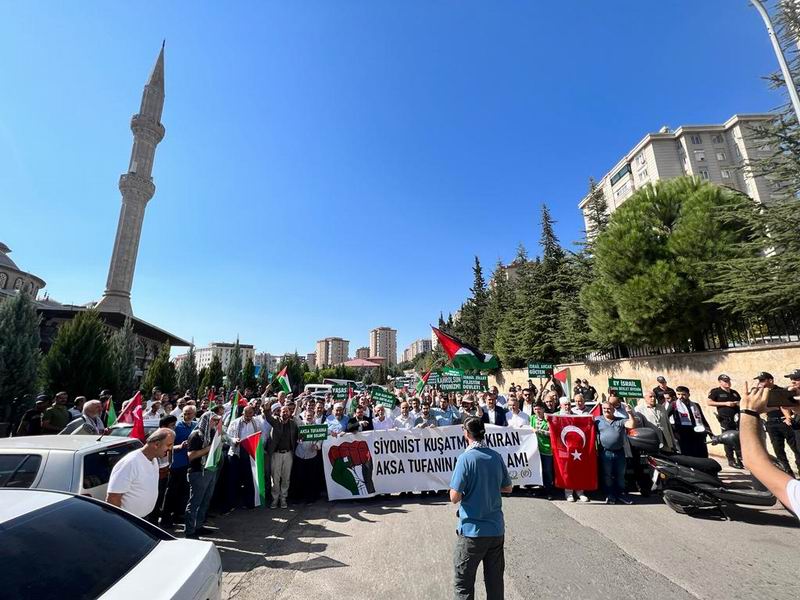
point(692, 485)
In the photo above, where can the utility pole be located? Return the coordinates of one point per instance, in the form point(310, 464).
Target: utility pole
point(787, 75)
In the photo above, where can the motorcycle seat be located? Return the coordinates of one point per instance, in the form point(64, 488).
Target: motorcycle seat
point(706, 465)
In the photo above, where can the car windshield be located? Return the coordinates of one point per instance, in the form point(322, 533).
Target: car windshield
point(79, 549)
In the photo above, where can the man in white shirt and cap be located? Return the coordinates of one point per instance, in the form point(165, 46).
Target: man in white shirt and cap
point(380, 421)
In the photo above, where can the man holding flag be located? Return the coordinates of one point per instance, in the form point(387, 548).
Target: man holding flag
point(204, 453)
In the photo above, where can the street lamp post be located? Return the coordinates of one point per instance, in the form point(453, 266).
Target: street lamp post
point(787, 75)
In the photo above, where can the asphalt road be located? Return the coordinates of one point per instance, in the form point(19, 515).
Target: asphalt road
point(401, 548)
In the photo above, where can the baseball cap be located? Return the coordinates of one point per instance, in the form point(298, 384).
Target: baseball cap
point(724, 377)
point(42, 398)
point(794, 375)
point(661, 379)
point(763, 375)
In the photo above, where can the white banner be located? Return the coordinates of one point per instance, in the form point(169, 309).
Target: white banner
point(361, 465)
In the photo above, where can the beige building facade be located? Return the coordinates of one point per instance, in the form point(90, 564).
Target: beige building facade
point(331, 351)
point(416, 348)
point(362, 352)
point(383, 343)
point(223, 350)
point(716, 153)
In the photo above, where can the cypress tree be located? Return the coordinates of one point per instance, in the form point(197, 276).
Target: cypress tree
point(19, 350)
point(122, 345)
point(79, 361)
point(234, 371)
point(161, 372)
point(249, 375)
point(187, 372)
point(499, 298)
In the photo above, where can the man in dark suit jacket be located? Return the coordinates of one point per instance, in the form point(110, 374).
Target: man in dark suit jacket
point(282, 441)
point(493, 414)
point(359, 421)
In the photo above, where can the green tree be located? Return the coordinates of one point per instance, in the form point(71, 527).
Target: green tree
point(655, 262)
point(19, 351)
point(596, 211)
point(122, 346)
point(498, 300)
point(234, 371)
point(187, 372)
point(508, 340)
point(79, 361)
point(472, 311)
point(263, 376)
point(574, 337)
point(249, 375)
point(161, 372)
point(213, 374)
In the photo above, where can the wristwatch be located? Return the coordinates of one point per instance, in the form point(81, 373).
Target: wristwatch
point(752, 413)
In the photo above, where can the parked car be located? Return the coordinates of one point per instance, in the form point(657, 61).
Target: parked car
point(89, 549)
point(124, 429)
point(70, 463)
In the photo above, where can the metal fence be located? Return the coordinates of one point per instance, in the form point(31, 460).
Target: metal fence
point(742, 333)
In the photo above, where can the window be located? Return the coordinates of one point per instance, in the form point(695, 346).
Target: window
point(620, 174)
point(738, 151)
point(623, 191)
point(97, 465)
point(704, 174)
point(19, 470)
point(640, 159)
point(18, 283)
point(721, 155)
point(726, 174)
point(3, 280)
point(87, 548)
point(696, 139)
point(717, 139)
point(643, 175)
point(699, 155)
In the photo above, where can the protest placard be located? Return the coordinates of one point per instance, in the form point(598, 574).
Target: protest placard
point(382, 397)
point(313, 433)
point(626, 388)
point(540, 369)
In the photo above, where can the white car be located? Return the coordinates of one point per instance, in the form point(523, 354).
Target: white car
point(70, 463)
point(58, 545)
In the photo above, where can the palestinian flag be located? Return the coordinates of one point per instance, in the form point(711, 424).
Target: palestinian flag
point(423, 382)
point(211, 397)
point(111, 413)
point(566, 381)
point(237, 400)
point(464, 356)
point(214, 456)
point(283, 380)
point(255, 448)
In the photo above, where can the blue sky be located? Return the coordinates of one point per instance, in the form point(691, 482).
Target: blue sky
point(330, 167)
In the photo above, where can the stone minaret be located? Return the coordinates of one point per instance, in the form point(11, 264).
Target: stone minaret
point(137, 188)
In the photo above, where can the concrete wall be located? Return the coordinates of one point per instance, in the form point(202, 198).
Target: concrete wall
point(697, 371)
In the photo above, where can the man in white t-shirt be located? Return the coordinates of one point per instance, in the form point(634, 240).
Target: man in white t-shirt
point(754, 454)
point(133, 485)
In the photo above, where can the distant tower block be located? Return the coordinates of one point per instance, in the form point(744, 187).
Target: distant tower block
point(137, 188)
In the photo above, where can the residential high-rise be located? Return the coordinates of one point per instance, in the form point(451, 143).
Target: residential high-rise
point(311, 360)
point(224, 350)
point(332, 351)
point(267, 361)
point(137, 189)
point(714, 153)
point(362, 352)
point(416, 348)
point(383, 343)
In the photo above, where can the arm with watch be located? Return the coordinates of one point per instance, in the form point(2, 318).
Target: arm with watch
point(754, 454)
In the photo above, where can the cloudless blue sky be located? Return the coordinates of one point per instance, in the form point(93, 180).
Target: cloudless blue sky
point(333, 166)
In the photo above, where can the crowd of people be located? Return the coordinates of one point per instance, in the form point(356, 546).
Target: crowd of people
point(182, 429)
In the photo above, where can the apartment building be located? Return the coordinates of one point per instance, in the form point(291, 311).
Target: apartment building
point(383, 344)
point(224, 351)
point(715, 153)
point(332, 351)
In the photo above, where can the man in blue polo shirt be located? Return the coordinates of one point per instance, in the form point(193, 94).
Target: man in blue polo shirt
point(478, 480)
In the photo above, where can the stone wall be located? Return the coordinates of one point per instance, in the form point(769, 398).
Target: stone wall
point(697, 371)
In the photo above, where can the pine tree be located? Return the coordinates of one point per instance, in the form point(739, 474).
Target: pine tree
point(201, 375)
point(161, 372)
point(249, 375)
point(596, 211)
point(574, 336)
point(234, 372)
point(19, 350)
point(79, 361)
point(497, 304)
point(213, 374)
point(507, 336)
point(122, 345)
point(187, 372)
point(468, 327)
point(263, 377)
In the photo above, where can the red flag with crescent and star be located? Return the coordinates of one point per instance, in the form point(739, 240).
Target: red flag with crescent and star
point(574, 452)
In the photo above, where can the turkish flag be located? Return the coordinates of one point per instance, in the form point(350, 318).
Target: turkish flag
point(134, 411)
point(574, 452)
